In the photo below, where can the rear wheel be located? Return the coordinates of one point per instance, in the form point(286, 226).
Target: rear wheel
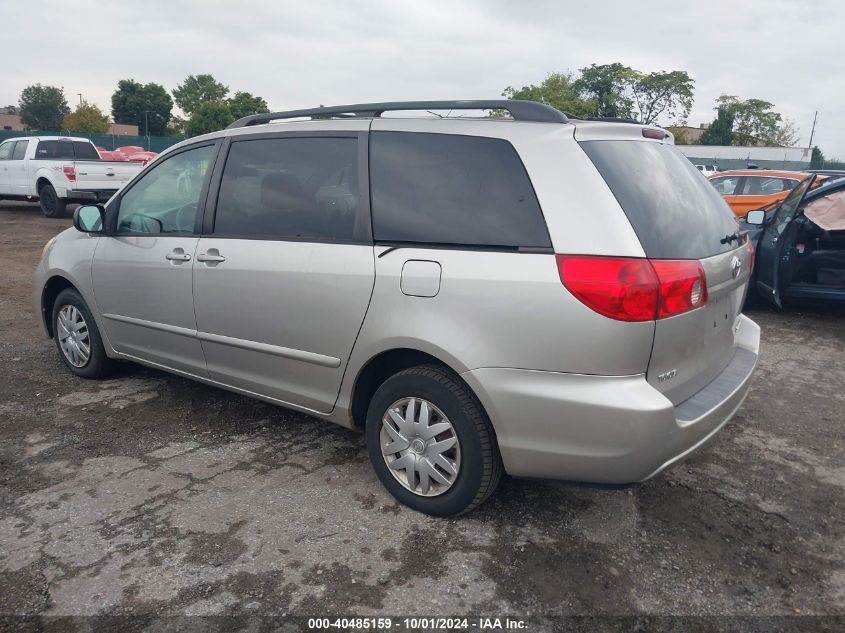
point(77, 337)
point(431, 443)
point(51, 205)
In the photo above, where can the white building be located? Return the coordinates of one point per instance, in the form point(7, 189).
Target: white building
point(731, 157)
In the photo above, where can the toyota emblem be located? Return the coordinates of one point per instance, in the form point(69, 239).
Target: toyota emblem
point(736, 266)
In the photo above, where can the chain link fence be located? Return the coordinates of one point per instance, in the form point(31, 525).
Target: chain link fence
point(106, 141)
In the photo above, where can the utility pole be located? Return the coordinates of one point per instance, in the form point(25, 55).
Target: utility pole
point(80, 97)
point(813, 131)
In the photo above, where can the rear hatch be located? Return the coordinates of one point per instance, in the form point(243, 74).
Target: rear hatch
point(678, 215)
point(103, 174)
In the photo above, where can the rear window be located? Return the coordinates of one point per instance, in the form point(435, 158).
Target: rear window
point(450, 189)
point(85, 151)
point(675, 213)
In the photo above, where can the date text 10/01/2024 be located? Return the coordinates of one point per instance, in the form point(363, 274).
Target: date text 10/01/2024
point(417, 623)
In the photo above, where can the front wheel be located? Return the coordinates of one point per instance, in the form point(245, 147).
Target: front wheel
point(431, 443)
point(77, 337)
point(51, 205)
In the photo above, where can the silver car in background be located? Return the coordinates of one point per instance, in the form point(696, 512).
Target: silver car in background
point(536, 295)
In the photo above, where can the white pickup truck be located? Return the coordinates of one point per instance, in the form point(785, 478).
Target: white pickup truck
point(57, 170)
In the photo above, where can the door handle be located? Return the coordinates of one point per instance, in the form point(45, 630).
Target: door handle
point(178, 255)
point(212, 255)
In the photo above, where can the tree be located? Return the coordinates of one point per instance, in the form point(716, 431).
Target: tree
point(132, 99)
point(557, 90)
point(176, 128)
point(786, 135)
point(605, 87)
point(196, 90)
point(209, 117)
point(756, 122)
point(87, 118)
point(661, 94)
point(680, 133)
point(43, 107)
point(720, 131)
point(243, 104)
point(10, 109)
point(816, 158)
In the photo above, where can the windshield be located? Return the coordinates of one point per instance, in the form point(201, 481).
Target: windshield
point(675, 213)
point(790, 204)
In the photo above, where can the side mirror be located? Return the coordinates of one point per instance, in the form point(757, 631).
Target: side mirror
point(89, 219)
point(756, 217)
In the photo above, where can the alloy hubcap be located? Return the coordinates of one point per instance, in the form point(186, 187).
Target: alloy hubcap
point(72, 331)
point(420, 446)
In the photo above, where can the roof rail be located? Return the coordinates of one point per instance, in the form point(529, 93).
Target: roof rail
point(520, 110)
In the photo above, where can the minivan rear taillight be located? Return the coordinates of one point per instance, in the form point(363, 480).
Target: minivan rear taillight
point(634, 289)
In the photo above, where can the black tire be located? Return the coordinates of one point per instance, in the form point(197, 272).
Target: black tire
point(51, 205)
point(98, 364)
point(481, 465)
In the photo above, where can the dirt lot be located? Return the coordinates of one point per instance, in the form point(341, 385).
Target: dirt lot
point(151, 495)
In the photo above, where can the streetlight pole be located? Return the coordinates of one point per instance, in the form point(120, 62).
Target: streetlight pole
point(813, 131)
point(147, 129)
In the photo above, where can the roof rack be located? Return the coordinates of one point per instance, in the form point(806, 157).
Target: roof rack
point(613, 119)
point(520, 110)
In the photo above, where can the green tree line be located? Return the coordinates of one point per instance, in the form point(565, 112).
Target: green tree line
point(662, 97)
point(205, 103)
point(599, 90)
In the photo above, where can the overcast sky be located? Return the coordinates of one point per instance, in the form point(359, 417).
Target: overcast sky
point(301, 54)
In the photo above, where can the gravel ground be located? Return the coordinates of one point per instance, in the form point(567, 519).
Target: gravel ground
point(150, 496)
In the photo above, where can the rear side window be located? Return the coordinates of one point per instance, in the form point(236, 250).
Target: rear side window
point(756, 186)
point(296, 188)
point(46, 149)
point(449, 189)
point(66, 149)
point(6, 150)
point(675, 213)
point(20, 150)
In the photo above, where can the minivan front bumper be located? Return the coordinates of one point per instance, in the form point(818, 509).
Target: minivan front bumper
point(607, 429)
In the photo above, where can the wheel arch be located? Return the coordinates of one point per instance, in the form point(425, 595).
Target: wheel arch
point(49, 293)
point(40, 183)
point(382, 366)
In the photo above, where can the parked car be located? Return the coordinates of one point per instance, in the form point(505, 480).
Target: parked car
point(434, 282)
point(141, 157)
point(707, 170)
point(746, 190)
point(56, 170)
point(800, 244)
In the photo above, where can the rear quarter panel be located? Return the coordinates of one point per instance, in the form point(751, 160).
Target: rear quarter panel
point(494, 310)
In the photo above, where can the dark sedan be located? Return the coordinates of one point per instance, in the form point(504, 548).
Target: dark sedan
point(800, 244)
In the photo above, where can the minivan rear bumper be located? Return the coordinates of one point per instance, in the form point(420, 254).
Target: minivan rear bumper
point(607, 429)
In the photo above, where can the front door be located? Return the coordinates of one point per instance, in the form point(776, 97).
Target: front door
point(774, 252)
point(283, 278)
point(142, 270)
point(5, 153)
point(18, 181)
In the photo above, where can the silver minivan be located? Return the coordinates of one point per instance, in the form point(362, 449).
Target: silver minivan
point(527, 294)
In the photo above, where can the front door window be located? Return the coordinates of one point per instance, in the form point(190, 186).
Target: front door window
point(165, 200)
